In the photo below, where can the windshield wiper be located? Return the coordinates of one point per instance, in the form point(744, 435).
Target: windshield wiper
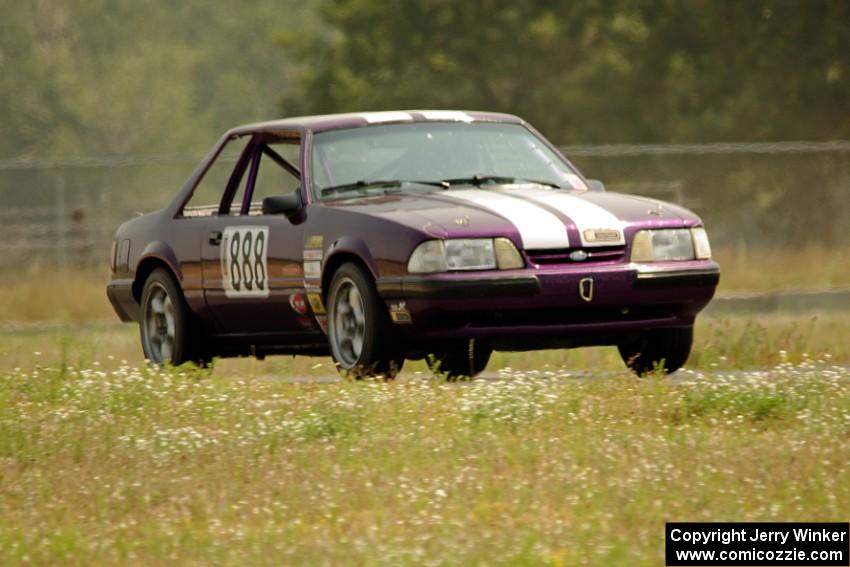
point(479, 180)
point(377, 184)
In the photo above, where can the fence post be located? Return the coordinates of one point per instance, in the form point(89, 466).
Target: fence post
point(61, 243)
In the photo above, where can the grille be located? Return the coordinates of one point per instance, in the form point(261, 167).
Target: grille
point(562, 255)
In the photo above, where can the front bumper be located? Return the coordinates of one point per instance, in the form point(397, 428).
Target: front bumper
point(443, 288)
point(582, 304)
point(650, 277)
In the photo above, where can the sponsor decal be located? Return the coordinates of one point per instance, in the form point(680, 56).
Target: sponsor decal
point(538, 228)
point(306, 322)
point(244, 261)
point(316, 304)
point(322, 320)
point(399, 313)
point(313, 255)
point(314, 241)
point(298, 303)
point(601, 235)
point(312, 269)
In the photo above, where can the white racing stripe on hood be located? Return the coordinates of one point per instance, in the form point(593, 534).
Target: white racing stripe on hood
point(538, 228)
point(585, 215)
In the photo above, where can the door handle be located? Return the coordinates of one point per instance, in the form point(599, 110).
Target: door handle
point(215, 237)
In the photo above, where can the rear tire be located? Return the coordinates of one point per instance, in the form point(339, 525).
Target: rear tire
point(359, 327)
point(167, 327)
point(465, 359)
point(666, 349)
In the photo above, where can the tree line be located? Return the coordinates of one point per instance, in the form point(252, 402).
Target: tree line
point(152, 77)
point(594, 71)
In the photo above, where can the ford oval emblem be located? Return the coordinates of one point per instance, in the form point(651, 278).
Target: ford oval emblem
point(578, 255)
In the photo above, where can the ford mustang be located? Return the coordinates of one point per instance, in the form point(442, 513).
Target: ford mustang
point(385, 236)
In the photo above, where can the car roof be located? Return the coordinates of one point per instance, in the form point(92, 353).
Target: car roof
point(356, 119)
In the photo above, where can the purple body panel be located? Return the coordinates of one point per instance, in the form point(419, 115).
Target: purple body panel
point(557, 315)
point(541, 305)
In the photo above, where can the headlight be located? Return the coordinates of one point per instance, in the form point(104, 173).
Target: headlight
point(663, 245)
point(701, 245)
point(464, 254)
point(470, 254)
point(507, 256)
point(430, 256)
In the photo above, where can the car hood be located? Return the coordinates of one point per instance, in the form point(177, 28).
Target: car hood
point(533, 216)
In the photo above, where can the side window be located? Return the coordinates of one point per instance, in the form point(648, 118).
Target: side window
point(272, 177)
point(206, 198)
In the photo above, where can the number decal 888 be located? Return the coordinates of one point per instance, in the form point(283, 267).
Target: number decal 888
point(244, 261)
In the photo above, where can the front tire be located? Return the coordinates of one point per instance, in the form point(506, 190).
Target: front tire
point(166, 325)
point(359, 326)
point(464, 359)
point(666, 349)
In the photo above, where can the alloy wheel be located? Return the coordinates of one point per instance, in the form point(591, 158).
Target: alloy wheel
point(160, 327)
point(349, 323)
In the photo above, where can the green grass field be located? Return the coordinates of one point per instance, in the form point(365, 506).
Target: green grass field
point(558, 458)
point(135, 467)
point(727, 343)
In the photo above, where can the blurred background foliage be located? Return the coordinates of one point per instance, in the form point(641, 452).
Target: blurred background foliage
point(124, 77)
point(95, 77)
point(150, 78)
point(592, 71)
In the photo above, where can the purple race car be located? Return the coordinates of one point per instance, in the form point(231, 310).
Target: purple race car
point(385, 236)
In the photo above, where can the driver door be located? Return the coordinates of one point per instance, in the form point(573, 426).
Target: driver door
point(251, 261)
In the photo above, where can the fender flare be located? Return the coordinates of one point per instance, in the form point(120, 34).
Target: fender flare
point(163, 252)
point(347, 247)
point(156, 252)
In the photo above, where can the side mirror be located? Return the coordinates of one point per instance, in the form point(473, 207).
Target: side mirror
point(596, 185)
point(288, 204)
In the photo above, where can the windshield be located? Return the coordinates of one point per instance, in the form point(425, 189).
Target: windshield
point(433, 152)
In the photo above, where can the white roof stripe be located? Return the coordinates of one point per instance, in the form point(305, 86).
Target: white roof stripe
point(452, 115)
point(390, 116)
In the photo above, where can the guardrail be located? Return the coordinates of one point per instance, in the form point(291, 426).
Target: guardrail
point(781, 301)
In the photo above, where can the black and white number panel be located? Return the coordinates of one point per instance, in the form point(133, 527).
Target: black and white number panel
point(244, 264)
